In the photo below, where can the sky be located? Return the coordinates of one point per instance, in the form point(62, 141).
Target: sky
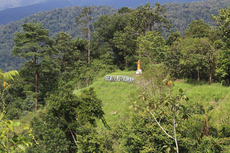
point(4, 4)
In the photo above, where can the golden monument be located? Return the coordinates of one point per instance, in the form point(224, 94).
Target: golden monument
point(139, 71)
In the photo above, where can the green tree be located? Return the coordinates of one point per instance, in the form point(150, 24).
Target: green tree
point(153, 46)
point(69, 53)
point(175, 36)
point(141, 20)
point(105, 30)
point(10, 140)
point(223, 63)
point(223, 22)
point(86, 31)
point(168, 110)
point(71, 120)
point(192, 58)
point(126, 41)
point(198, 29)
point(34, 46)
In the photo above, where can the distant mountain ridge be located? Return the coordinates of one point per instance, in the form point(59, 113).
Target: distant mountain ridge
point(17, 13)
point(14, 14)
point(5, 4)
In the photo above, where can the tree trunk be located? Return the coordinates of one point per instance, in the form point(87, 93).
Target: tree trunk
point(210, 74)
point(36, 83)
point(198, 75)
point(174, 124)
point(87, 82)
point(210, 78)
point(207, 126)
point(89, 44)
point(36, 90)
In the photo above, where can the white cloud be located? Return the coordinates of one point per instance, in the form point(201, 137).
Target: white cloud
point(4, 4)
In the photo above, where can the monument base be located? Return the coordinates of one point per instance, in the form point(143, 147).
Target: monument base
point(138, 72)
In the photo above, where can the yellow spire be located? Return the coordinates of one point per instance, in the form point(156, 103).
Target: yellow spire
point(139, 65)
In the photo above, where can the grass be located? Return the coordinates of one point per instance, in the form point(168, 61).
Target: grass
point(214, 95)
point(115, 96)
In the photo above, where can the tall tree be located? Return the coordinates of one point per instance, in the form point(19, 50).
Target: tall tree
point(33, 45)
point(86, 31)
point(153, 46)
point(146, 18)
point(198, 29)
point(223, 62)
point(141, 20)
point(223, 22)
point(68, 54)
point(105, 30)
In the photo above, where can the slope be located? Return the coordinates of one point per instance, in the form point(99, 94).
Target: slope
point(117, 97)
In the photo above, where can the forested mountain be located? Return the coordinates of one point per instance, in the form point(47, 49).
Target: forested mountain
point(23, 8)
point(56, 21)
point(183, 14)
point(14, 14)
point(5, 4)
point(62, 19)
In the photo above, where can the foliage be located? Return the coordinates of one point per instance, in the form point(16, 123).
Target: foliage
point(71, 119)
point(161, 119)
point(167, 110)
point(223, 67)
point(57, 20)
point(223, 21)
point(152, 46)
point(9, 139)
point(192, 58)
point(86, 12)
point(63, 19)
point(182, 14)
point(34, 45)
point(198, 29)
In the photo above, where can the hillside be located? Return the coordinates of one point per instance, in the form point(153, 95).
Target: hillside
point(183, 14)
point(114, 95)
point(62, 19)
point(117, 97)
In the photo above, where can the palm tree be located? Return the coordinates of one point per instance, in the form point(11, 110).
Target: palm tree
point(7, 76)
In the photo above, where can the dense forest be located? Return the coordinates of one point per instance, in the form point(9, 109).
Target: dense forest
point(50, 104)
point(56, 21)
point(62, 19)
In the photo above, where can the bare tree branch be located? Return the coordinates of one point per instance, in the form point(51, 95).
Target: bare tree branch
point(161, 126)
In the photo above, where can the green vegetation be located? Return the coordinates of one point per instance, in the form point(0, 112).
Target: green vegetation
point(178, 104)
point(57, 20)
point(63, 20)
point(115, 97)
point(11, 140)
